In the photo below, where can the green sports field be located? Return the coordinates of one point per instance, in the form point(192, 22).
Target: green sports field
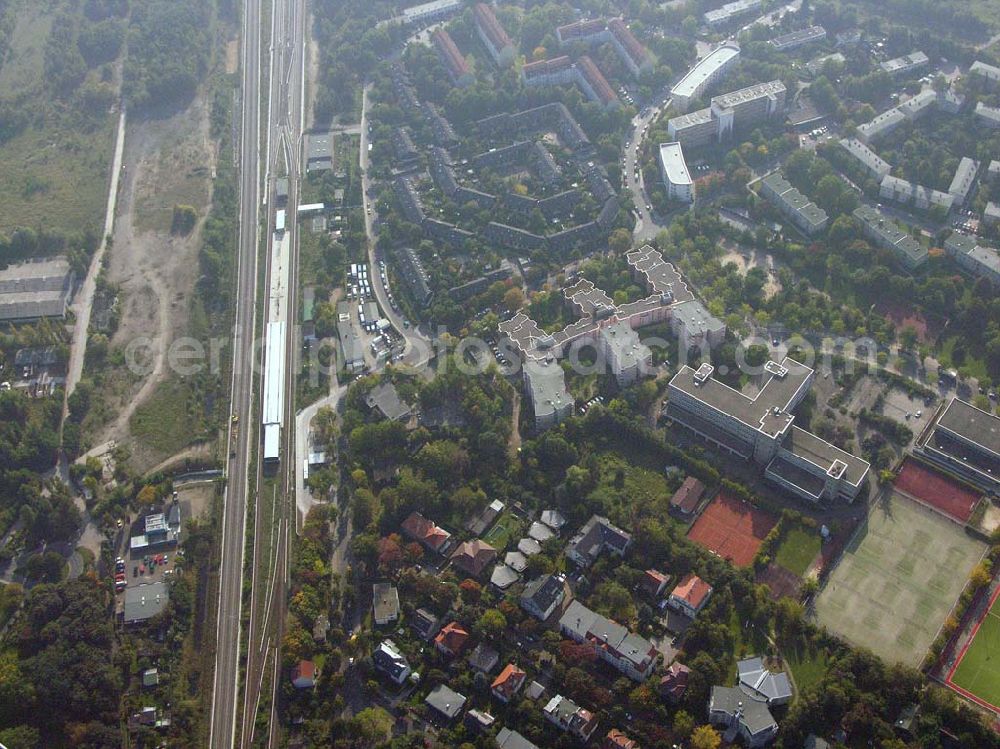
point(897, 580)
point(979, 670)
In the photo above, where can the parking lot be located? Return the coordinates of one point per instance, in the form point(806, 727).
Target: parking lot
point(908, 410)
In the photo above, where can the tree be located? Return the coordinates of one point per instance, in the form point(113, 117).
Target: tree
point(620, 241)
point(513, 299)
point(705, 737)
point(373, 726)
point(491, 624)
point(683, 724)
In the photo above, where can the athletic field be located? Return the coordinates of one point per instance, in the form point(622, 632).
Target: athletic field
point(732, 528)
point(897, 580)
point(977, 672)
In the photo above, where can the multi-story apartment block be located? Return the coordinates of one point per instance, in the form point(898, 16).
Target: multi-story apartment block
point(493, 35)
point(631, 654)
point(885, 234)
point(676, 177)
point(974, 257)
point(711, 68)
point(796, 207)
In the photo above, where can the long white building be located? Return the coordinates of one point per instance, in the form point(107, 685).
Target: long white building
point(728, 112)
point(706, 71)
point(676, 178)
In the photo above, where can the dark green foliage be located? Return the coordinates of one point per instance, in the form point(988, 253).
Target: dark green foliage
point(169, 49)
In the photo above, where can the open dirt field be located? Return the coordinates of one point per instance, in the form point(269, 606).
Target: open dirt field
point(898, 578)
point(732, 529)
point(167, 161)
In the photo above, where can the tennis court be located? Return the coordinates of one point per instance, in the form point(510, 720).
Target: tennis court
point(976, 673)
point(937, 490)
point(898, 579)
point(731, 528)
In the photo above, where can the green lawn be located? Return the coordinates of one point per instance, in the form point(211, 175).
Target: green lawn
point(979, 670)
point(502, 531)
point(975, 366)
point(171, 419)
point(807, 667)
point(797, 550)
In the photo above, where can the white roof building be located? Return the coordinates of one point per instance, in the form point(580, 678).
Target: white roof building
point(676, 177)
point(705, 72)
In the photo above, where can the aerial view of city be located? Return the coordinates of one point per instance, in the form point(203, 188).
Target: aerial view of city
point(525, 374)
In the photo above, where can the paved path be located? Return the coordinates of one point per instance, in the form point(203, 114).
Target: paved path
point(85, 296)
point(303, 420)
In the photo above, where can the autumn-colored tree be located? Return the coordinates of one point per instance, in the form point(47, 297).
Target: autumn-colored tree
point(471, 590)
point(705, 737)
point(390, 554)
point(576, 653)
point(146, 497)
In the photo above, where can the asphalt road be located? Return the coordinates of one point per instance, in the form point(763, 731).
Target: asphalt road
point(222, 730)
point(646, 227)
point(417, 351)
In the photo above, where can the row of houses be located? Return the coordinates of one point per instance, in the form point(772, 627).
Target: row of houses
point(633, 54)
point(562, 71)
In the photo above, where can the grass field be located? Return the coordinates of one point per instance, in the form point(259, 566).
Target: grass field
point(797, 550)
point(807, 667)
point(171, 419)
point(55, 172)
point(502, 531)
point(897, 580)
point(978, 671)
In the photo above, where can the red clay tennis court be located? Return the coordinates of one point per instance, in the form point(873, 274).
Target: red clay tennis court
point(731, 528)
point(936, 490)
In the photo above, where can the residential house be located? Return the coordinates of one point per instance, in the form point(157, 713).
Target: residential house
point(760, 683)
point(425, 532)
point(446, 702)
point(508, 739)
point(390, 661)
point(472, 557)
point(596, 536)
point(425, 624)
point(554, 519)
point(618, 740)
point(654, 582)
point(674, 682)
point(483, 658)
point(503, 577)
point(686, 498)
point(633, 655)
point(750, 719)
point(506, 686)
point(452, 639)
point(690, 595)
point(568, 716)
point(304, 675)
point(477, 525)
point(385, 602)
point(543, 595)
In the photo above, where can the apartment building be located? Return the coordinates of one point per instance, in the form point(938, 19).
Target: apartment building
point(493, 35)
point(796, 207)
point(676, 178)
point(629, 653)
point(454, 62)
point(885, 234)
point(711, 68)
point(974, 257)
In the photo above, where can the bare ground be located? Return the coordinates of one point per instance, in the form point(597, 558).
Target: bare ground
point(167, 161)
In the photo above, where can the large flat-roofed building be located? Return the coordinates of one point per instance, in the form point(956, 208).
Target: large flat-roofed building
point(872, 163)
point(493, 35)
point(905, 64)
point(452, 59)
point(319, 152)
point(986, 72)
point(695, 326)
point(991, 214)
point(964, 179)
point(907, 193)
point(748, 106)
point(974, 257)
point(731, 12)
point(965, 441)
point(881, 125)
point(796, 207)
point(432, 11)
point(630, 50)
point(143, 602)
point(728, 112)
point(760, 427)
point(626, 356)
point(35, 289)
point(676, 177)
point(545, 386)
point(988, 116)
point(694, 129)
point(800, 38)
point(706, 71)
point(885, 234)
